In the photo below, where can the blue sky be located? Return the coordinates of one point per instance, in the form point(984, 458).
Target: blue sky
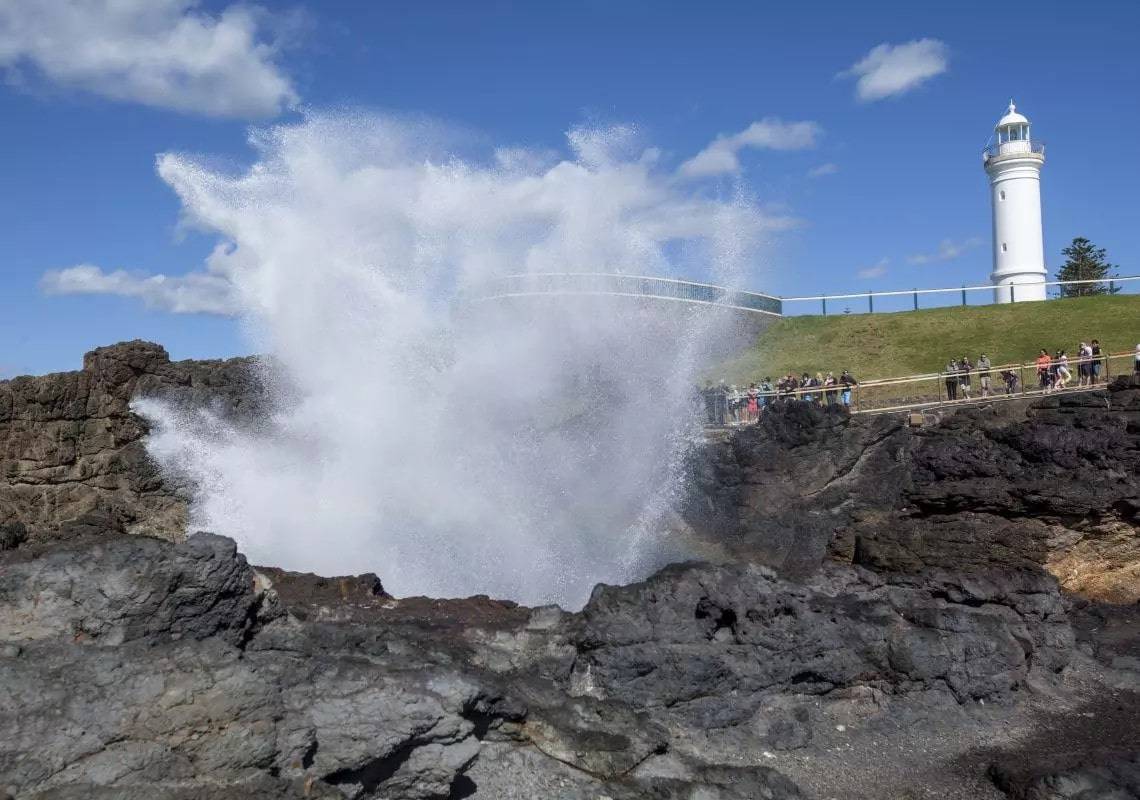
point(888, 190)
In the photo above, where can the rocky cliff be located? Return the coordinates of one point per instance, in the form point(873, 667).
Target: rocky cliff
point(70, 449)
point(883, 620)
point(1056, 482)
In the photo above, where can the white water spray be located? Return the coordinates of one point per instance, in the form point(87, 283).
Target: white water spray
point(526, 452)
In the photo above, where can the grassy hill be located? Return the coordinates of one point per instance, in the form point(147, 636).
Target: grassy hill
point(906, 343)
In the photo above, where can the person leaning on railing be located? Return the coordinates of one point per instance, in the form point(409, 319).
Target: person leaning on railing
point(1011, 380)
point(847, 381)
point(1136, 361)
point(766, 392)
point(829, 390)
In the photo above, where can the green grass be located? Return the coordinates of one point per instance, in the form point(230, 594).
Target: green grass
point(907, 343)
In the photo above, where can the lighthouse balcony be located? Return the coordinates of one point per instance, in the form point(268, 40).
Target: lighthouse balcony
point(1014, 149)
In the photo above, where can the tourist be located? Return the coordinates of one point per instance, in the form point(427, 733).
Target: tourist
point(1063, 373)
point(817, 382)
point(984, 374)
point(1043, 365)
point(753, 407)
point(830, 392)
point(847, 381)
point(1136, 361)
point(1011, 381)
point(951, 374)
point(766, 392)
point(1084, 365)
point(735, 404)
point(1096, 363)
point(789, 386)
point(806, 382)
point(964, 367)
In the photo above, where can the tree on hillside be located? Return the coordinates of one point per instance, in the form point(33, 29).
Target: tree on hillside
point(1084, 261)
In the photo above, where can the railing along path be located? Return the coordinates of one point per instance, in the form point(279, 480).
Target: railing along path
point(865, 397)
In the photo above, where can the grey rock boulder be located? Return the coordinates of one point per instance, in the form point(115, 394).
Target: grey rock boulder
point(112, 590)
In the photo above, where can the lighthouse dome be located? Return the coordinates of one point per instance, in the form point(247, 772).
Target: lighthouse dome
point(1012, 117)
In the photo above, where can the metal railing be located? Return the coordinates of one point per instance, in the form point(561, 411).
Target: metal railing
point(601, 283)
point(1015, 149)
point(1113, 284)
point(611, 284)
point(947, 389)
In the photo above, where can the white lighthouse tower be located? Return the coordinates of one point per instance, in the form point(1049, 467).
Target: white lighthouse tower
point(1013, 161)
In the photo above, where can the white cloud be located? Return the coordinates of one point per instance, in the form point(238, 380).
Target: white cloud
point(947, 250)
point(162, 53)
point(875, 271)
point(602, 145)
point(890, 69)
point(348, 189)
point(194, 293)
point(823, 169)
point(770, 133)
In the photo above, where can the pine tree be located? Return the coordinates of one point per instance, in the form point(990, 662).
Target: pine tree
point(1084, 261)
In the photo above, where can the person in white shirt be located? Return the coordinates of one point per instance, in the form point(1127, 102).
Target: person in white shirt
point(1063, 374)
point(1084, 368)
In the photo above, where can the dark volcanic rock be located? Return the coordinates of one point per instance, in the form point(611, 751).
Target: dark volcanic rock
point(111, 590)
point(12, 535)
point(1090, 753)
point(130, 664)
point(1116, 779)
point(777, 491)
point(135, 667)
point(694, 633)
point(70, 446)
point(1057, 485)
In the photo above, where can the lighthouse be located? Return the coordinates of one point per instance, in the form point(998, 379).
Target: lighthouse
point(1013, 163)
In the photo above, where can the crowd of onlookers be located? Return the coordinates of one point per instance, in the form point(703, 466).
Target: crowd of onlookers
point(733, 405)
point(1054, 372)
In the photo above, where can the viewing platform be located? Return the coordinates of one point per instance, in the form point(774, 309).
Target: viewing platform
point(603, 284)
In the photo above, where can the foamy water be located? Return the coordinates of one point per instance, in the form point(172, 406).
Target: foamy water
point(525, 452)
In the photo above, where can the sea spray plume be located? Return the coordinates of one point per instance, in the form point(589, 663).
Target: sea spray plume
point(527, 451)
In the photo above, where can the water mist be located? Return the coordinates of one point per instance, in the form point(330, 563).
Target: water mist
point(526, 450)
